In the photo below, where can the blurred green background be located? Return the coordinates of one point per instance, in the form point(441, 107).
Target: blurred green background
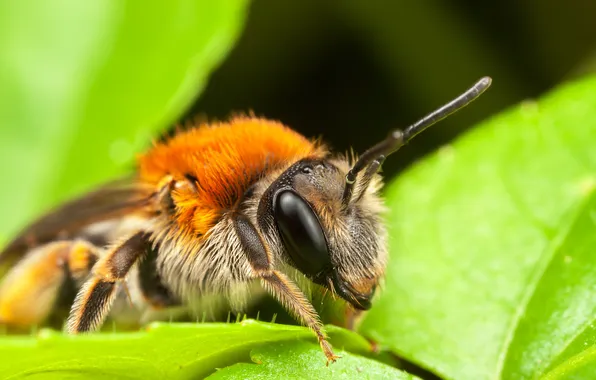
point(346, 70)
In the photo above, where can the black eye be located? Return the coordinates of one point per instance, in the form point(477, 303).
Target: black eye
point(301, 232)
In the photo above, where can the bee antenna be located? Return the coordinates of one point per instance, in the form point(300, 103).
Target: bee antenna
point(398, 138)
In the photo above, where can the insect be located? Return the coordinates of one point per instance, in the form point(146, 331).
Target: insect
point(214, 215)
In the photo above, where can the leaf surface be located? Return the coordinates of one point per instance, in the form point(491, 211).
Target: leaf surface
point(173, 351)
point(298, 360)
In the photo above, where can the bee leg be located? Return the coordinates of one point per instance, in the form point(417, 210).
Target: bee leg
point(161, 303)
point(96, 296)
point(292, 298)
point(29, 291)
point(278, 284)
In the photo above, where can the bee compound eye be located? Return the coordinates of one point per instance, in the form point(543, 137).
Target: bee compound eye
point(301, 232)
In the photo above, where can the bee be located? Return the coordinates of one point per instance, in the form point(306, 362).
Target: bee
point(222, 211)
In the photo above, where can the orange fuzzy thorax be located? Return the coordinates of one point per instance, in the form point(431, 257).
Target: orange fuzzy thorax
point(226, 159)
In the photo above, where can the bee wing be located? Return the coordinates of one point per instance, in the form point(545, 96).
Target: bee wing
point(110, 201)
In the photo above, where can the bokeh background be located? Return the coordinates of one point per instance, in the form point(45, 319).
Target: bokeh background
point(352, 70)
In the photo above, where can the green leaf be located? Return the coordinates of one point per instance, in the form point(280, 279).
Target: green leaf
point(555, 323)
point(297, 360)
point(85, 84)
point(492, 271)
point(165, 351)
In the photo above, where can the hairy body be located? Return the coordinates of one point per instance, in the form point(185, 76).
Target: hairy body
point(194, 231)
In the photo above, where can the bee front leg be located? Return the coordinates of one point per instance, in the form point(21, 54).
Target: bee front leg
point(278, 284)
point(96, 296)
point(29, 291)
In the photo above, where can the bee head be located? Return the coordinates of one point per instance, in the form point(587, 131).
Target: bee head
point(339, 246)
point(328, 213)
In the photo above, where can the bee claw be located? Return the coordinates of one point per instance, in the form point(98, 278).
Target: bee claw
point(332, 359)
